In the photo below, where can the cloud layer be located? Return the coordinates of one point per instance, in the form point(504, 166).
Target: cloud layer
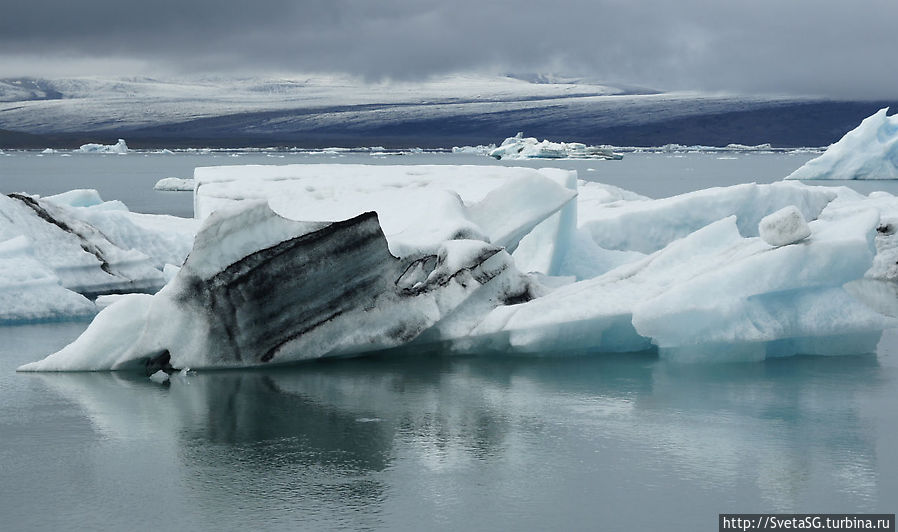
point(833, 48)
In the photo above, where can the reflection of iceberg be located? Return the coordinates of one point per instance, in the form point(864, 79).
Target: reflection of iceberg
point(869, 151)
point(329, 435)
point(520, 147)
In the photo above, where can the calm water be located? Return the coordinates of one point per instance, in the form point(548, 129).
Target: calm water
point(130, 178)
point(419, 441)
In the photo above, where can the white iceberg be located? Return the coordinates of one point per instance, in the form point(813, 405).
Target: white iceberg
point(78, 253)
point(164, 239)
point(59, 249)
point(480, 149)
point(714, 294)
point(520, 147)
point(869, 151)
point(119, 147)
point(174, 184)
point(498, 259)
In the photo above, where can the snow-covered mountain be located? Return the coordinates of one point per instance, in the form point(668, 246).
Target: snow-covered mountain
point(460, 109)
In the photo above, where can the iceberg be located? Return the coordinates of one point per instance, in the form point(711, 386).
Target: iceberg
point(78, 253)
point(520, 147)
point(59, 251)
point(714, 294)
point(300, 262)
point(119, 147)
point(174, 184)
point(235, 302)
point(163, 239)
point(869, 151)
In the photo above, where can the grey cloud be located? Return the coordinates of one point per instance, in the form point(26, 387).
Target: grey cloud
point(843, 49)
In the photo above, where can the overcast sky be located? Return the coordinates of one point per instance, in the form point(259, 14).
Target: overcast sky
point(843, 48)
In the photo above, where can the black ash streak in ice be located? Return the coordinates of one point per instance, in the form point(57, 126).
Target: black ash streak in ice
point(110, 269)
point(277, 294)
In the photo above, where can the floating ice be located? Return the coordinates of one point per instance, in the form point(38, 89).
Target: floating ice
point(119, 147)
point(74, 244)
point(163, 239)
point(258, 288)
point(714, 294)
point(869, 151)
point(445, 254)
point(174, 184)
point(474, 150)
point(81, 256)
point(160, 377)
point(520, 147)
point(785, 226)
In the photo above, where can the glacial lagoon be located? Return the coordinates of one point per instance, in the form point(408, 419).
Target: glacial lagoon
point(420, 440)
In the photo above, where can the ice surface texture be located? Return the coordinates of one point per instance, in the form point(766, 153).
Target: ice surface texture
point(496, 259)
point(869, 151)
point(785, 226)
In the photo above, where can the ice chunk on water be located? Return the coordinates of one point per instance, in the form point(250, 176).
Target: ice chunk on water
point(521, 147)
point(174, 184)
point(119, 147)
point(160, 377)
point(785, 226)
point(258, 289)
point(869, 151)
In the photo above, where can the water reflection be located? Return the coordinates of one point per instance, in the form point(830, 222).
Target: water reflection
point(379, 441)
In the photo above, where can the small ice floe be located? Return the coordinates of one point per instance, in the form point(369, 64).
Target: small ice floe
point(174, 184)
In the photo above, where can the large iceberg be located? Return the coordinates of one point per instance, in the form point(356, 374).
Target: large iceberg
point(261, 289)
point(300, 262)
point(869, 151)
point(521, 147)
